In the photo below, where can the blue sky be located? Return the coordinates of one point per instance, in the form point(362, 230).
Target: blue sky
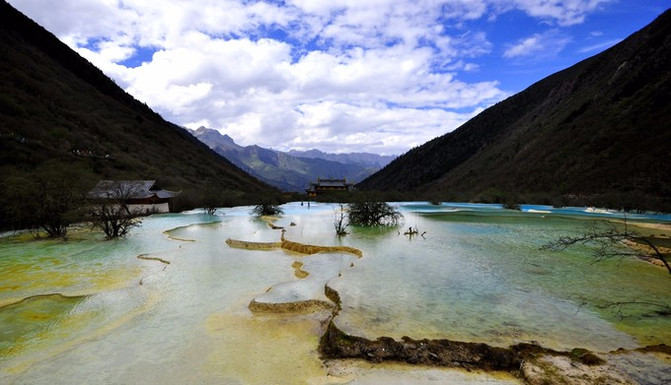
point(378, 76)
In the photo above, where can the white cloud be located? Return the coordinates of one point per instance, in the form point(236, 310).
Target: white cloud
point(332, 125)
point(76, 19)
point(525, 47)
point(339, 75)
point(562, 12)
point(538, 46)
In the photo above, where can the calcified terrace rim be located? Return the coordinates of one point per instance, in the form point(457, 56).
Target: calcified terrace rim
point(40, 296)
point(303, 306)
point(297, 247)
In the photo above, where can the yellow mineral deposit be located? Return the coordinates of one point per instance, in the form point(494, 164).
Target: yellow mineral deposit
point(304, 304)
point(25, 279)
point(68, 333)
point(253, 245)
point(296, 307)
point(313, 249)
point(149, 258)
point(293, 246)
point(286, 352)
point(298, 271)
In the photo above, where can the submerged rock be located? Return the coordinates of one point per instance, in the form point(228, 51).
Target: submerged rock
point(533, 363)
point(337, 344)
point(551, 369)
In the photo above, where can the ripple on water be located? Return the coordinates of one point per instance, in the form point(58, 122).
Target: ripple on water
point(27, 319)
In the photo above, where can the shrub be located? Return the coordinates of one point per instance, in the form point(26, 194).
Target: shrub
point(49, 198)
point(373, 213)
point(267, 209)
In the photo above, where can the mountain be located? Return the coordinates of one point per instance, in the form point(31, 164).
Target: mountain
point(55, 106)
point(599, 131)
point(286, 171)
point(362, 158)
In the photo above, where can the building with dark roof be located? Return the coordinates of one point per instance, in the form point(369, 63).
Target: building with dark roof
point(141, 196)
point(328, 185)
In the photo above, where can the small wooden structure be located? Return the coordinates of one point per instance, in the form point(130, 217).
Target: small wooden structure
point(141, 196)
point(328, 185)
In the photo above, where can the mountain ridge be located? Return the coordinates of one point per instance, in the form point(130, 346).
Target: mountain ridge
point(596, 129)
point(364, 158)
point(286, 171)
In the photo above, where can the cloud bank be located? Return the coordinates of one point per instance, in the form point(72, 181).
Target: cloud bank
point(378, 76)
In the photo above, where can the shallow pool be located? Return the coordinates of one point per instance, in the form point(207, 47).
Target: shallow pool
point(169, 304)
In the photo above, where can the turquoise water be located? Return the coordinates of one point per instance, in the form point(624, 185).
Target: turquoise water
point(480, 276)
point(169, 303)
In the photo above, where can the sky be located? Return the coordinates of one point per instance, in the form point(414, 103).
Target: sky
point(378, 76)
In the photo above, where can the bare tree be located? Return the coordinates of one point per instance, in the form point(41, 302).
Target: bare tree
point(111, 212)
point(611, 242)
point(340, 221)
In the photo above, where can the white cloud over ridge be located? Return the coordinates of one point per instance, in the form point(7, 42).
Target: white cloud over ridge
point(341, 75)
point(538, 46)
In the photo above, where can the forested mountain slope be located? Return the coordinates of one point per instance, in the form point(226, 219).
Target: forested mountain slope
point(57, 108)
point(599, 131)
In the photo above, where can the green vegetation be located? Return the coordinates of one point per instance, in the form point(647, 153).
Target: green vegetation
point(372, 213)
point(213, 198)
point(593, 134)
point(267, 209)
point(44, 199)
